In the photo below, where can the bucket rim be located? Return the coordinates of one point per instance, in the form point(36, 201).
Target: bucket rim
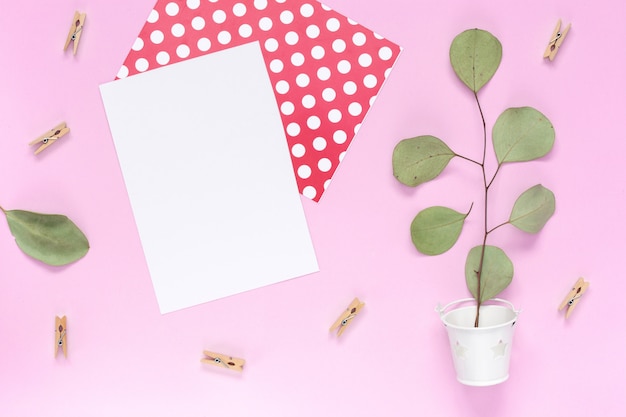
point(493, 302)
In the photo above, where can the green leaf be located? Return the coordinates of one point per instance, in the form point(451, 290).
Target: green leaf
point(532, 209)
point(50, 238)
point(497, 272)
point(522, 134)
point(420, 159)
point(436, 229)
point(475, 56)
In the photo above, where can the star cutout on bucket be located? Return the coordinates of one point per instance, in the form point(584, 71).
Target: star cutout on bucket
point(460, 350)
point(499, 349)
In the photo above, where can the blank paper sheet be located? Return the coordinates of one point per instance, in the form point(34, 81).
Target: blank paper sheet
point(208, 172)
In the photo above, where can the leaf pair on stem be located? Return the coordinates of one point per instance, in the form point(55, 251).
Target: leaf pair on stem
point(518, 135)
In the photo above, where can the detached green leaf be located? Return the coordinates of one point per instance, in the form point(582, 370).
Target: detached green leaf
point(533, 209)
point(420, 159)
point(50, 238)
point(496, 275)
point(436, 229)
point(475, 56)
point(522, 134)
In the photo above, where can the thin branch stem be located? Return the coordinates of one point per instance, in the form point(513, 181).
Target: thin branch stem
point(494, 175)
point(468, 159)
point(500, 225)
point(486, 207)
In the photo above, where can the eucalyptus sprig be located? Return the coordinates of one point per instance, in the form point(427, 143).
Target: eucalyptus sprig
point(518, 135)
point(50, 238)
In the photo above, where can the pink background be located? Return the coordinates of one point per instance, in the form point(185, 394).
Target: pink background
point(127, 359)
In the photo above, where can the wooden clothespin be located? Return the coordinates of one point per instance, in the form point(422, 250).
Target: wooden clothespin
point(573, 297)
point(76, 30)
point(558, 36)
point(60, 335)
point(50, 137)
point(226, 361)
point(344, 320)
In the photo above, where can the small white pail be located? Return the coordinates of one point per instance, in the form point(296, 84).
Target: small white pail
point(481, 354)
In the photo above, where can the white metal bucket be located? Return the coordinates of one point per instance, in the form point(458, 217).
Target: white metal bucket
point(481, 355)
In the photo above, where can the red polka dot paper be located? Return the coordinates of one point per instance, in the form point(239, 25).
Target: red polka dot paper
point(326, 69)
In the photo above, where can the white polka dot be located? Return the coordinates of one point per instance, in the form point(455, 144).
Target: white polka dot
point(291, 38)
point(318, 52)
point(271, 45)
point(308, 101)
point(339, 45)
point(193, 4)
point(245, 30)
point(341, 155)
point(355, 109)
point(156, 37)
point(183, 51)
point(163, 58)
point(282, 87)
point(344, 66)
point(359, 39)
point(329, 94)
point(198, 23)
point(304, 171)
point(333, 24)
point(138, 45)
point(385, 53)
point(377, 36)
point(327, 8)
point(324, 165)
point(302, 80)
point(219, 16)
point(154, 16)
point(365, 60)
point(312, 31)
point(340, 137)
point(349, 87)
point(356, 128)
point(260, 4)
point(323, 73)
point(287, 108)
point(319, 143)
point(224, 37)
point(306, 10)
point(280, 1)
point(309, 192)
point(239, 9)
point(334, 115)
point(297, 59)
point(370, 81)
point(286, 17)
point(326, 183)
point(276, 66)
point(372, 100)
point(293, 129)
point(178, 30)
point(123, 72)
point(141, 64)
point(265, 23)
point(387, 71)
point(172, 9)
point(352, 22)
point(313, 122)
point(204, 44)
point(298, 150)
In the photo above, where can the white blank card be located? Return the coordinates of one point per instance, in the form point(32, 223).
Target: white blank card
point(207, 169)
